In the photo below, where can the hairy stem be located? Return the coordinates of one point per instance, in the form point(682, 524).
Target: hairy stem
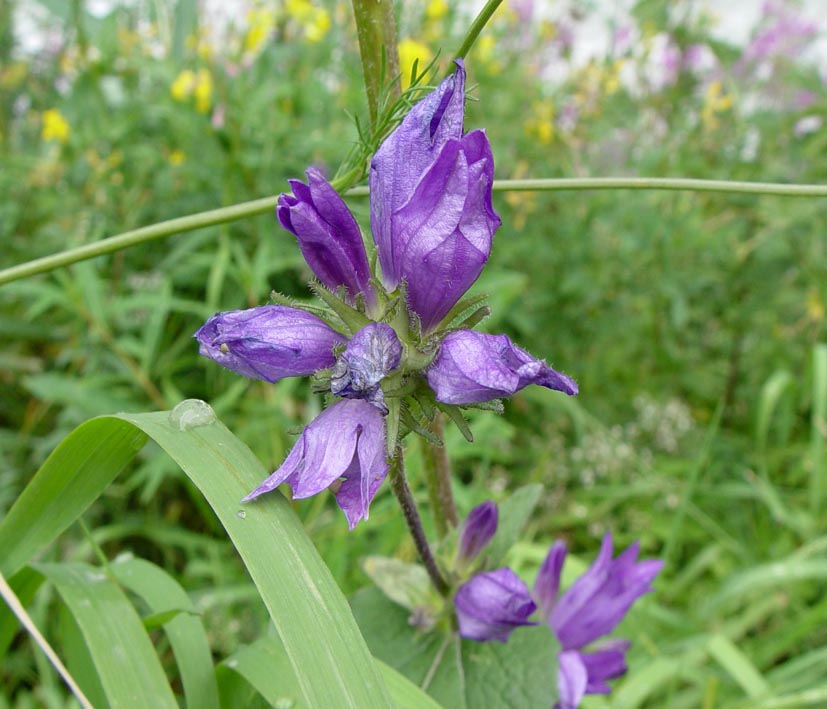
point(480, 21)
point(438, 480)
point(409, 509)
point(261, 206)
point(376, 27)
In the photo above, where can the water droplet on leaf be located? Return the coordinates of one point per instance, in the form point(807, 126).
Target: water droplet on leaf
point(241, 514)
point(191, 413)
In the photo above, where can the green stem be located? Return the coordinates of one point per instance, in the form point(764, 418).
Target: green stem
point(480, 21)
point(376, 27)
point(438, 480)
point(260, 206)
point(403, 493)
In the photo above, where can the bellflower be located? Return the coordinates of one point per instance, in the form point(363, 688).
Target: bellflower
point(430, 209)
point(343, 444)
point(372, 353)
point(590, 609)
point(493, 604)
point(328, 235)
point(472, 367)
point(269, 342)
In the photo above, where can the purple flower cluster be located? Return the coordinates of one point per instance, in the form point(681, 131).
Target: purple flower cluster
point(492, 604)
point(433, 224)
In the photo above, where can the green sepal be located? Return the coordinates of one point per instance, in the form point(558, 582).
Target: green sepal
point(495, 405)
point(461, 311)
point(413, 425)
point(474, 319)
point(456, 416)
point(352, 318)
point(329, 317)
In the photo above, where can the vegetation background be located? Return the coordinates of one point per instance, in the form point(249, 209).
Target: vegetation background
point(694, 323)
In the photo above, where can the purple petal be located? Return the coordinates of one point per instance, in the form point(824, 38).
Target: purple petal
point(572, 679)
point(608, 662)
point(345, 441)
point(443, 234)
point(328, 235)
point(269, 342)
point(602, 596)
point(492, 604)
point(404, 157)
point(478, 529)
point(547, 584)
point(472, 367)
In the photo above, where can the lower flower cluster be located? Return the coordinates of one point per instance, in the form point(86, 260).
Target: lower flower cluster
point(493, 604)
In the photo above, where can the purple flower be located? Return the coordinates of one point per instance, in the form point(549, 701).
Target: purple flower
point(328, 235)
point(590, 609)
point(492, 604)
point(269, 342)
point(471, 367)
point(372, 353)
point(344, 444)
point(431, 212)
point(477, 530)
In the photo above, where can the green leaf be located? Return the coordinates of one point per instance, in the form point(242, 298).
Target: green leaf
point(266, 667)
point(405, 584)
point(514, 513)
point(738, 666)
point(123, 655)
point(171, 607)
point(302, 597)
point(519, 674)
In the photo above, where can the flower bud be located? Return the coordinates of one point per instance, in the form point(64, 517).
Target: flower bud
point(431, 212)
point(471, 367)
point(328, 235)
point(492, 604)
point(479, 527)
point(269, 342)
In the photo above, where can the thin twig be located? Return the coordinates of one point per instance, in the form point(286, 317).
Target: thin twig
point(409, 509)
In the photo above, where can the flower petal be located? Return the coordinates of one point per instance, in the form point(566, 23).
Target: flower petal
point(572, 679)
point(269, 342)
point(491, 605)
point(471, 367)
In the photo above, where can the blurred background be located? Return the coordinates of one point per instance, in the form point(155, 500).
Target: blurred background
point(694, 323)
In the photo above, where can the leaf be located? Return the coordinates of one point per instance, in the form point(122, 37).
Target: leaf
point(513, 515)
point(171, 607)
point(519, 674)
point(328, 654)
point(738, 666)
point(405, 584)
point(127, 666)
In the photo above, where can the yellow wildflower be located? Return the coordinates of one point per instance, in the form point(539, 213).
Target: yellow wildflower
point(261, 23)
point(55, 126)
point(484, 48)
point(183, 85)
point(541, 123)
point(315, 21)
point(436, 10)
point(203, 91)
point(715, 102)
point(409, 51)
point(177, 157)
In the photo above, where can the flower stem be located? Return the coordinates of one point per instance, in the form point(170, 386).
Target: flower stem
point(438, 480)
point(409, 509)
point(376, 27)
point(261, 206)
point(480, 21)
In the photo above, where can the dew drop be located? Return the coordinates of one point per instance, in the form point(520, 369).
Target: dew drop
point(241, 514)
point(191, 413)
